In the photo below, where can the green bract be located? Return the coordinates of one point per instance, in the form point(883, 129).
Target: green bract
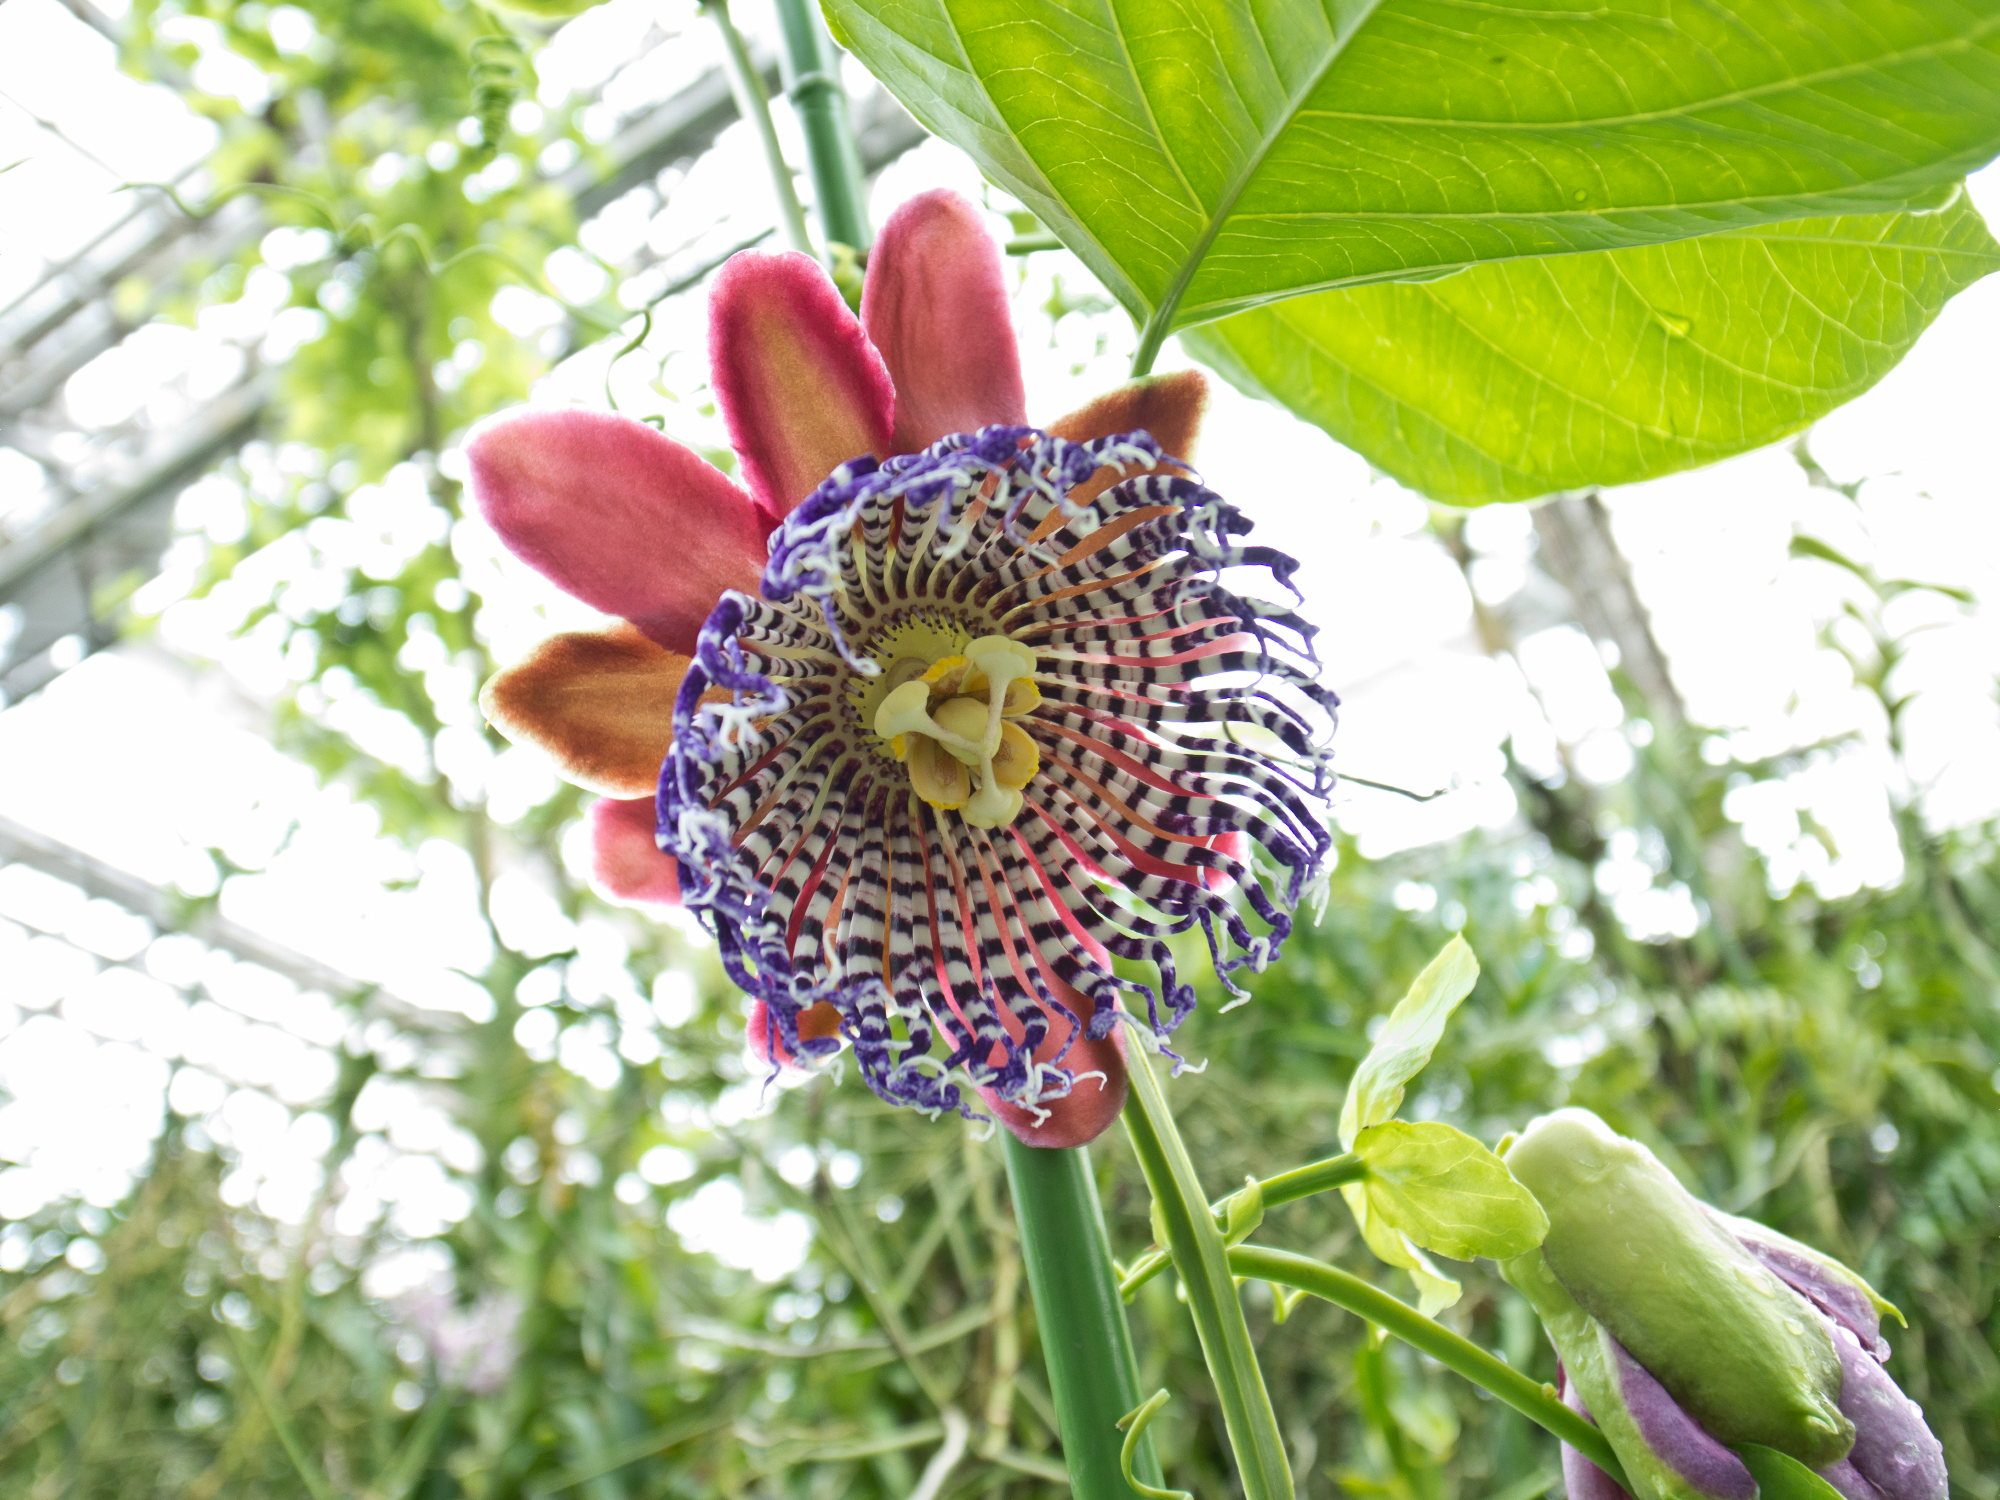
point(1645, 1259)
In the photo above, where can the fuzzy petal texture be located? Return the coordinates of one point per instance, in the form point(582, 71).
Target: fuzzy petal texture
point(600, 703)
point(935, 305)
point(619, 515)
point(625, 859)
point(1169, 406)
point(801, 388)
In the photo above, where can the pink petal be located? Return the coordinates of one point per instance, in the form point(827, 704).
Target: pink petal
point(801, 387)
point(1095, 1099)
point(935, 304)
point(619, 515)
point(625, 861)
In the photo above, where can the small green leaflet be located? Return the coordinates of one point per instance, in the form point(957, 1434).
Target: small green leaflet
point(1779, 1476)
point(1435, 1290)
point(1405, 1044)
point(1447, 1192)
point(1407, 1040)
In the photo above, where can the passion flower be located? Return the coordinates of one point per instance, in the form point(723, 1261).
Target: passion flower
point(952, 720)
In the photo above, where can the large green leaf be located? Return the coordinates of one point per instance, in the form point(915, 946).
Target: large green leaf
point(1206, 156)
point(1511, 380)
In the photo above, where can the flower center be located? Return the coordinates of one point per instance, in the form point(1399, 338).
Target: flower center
point(947, 722)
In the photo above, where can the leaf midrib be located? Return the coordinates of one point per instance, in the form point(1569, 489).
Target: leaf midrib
point(1160, 320)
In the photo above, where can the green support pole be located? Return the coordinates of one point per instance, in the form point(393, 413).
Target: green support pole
point(812, 83)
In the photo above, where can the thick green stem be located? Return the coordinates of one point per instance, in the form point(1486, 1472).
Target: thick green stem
point(1286, 1187)
point(1093, 1375)
point(812, 82)
point(1537, 1402)
point(1152, 336)
point(1201, 1258)
point(755, 106)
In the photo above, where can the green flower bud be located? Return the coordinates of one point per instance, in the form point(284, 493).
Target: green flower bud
point(1651, 1264)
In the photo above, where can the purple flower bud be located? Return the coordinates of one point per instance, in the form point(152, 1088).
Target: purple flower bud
point(1686, 1300)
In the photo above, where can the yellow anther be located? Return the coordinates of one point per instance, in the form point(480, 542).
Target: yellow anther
point(938, 778)
point(947, 675)
point(1023, 697)
point(1017, 759)
point(946, 723)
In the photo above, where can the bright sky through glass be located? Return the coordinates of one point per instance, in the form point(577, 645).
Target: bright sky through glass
point(145, 758)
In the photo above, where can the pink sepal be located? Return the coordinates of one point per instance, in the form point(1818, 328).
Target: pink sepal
point(935, 304)
point(619, 515)
point(1094, 1100)
point(801, 388)
point(625, 860)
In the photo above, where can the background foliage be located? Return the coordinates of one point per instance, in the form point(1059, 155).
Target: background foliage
point(1828, 1064)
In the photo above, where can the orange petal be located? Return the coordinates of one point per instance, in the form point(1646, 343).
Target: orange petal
point(601, 703)
point(625, 858)
point(624, 518)
point(1167, 406)
point(801, 388)
point(935, 304)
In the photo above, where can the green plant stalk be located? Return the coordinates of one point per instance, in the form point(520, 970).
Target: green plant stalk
point(1286, 1187)
point(754, 105)
point(1537, 1402)
point(1093, 1375)
point(1152, 338)
point(812, 83)
point(1199, 1255)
